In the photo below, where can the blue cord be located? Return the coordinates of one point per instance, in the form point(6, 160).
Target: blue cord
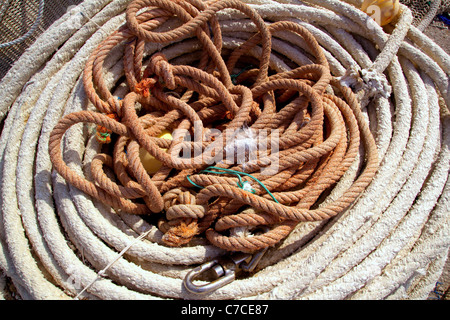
point(445, 19)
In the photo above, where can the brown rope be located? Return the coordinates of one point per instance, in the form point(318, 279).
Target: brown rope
point(319, 133)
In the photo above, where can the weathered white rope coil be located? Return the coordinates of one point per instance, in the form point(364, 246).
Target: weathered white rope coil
point(392, 243)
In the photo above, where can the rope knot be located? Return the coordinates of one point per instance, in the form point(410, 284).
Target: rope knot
point(182, 216)
point(144, 86)
point(162, 68)
point(372, 82)
point(103, 134)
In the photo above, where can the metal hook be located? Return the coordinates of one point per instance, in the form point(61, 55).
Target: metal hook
point(251, 265)
point(226, 276)
point(224, 270)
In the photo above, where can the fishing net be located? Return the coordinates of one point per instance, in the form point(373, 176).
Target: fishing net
point(421, 7)
point(21, 22)
point(425, 12)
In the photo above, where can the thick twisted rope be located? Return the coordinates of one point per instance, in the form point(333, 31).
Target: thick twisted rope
point(346, 218)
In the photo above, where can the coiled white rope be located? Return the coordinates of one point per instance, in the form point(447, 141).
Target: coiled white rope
point(392, 243)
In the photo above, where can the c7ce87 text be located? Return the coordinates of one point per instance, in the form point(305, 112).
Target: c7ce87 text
point(230, 309)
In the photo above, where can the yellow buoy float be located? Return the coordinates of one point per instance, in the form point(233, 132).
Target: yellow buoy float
point(382, 11)
point(150, 163)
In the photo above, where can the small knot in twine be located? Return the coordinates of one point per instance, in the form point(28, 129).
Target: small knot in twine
point(103, 134)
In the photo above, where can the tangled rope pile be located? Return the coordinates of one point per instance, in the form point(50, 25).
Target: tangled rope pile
point(355, 209)
point(258, 106)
